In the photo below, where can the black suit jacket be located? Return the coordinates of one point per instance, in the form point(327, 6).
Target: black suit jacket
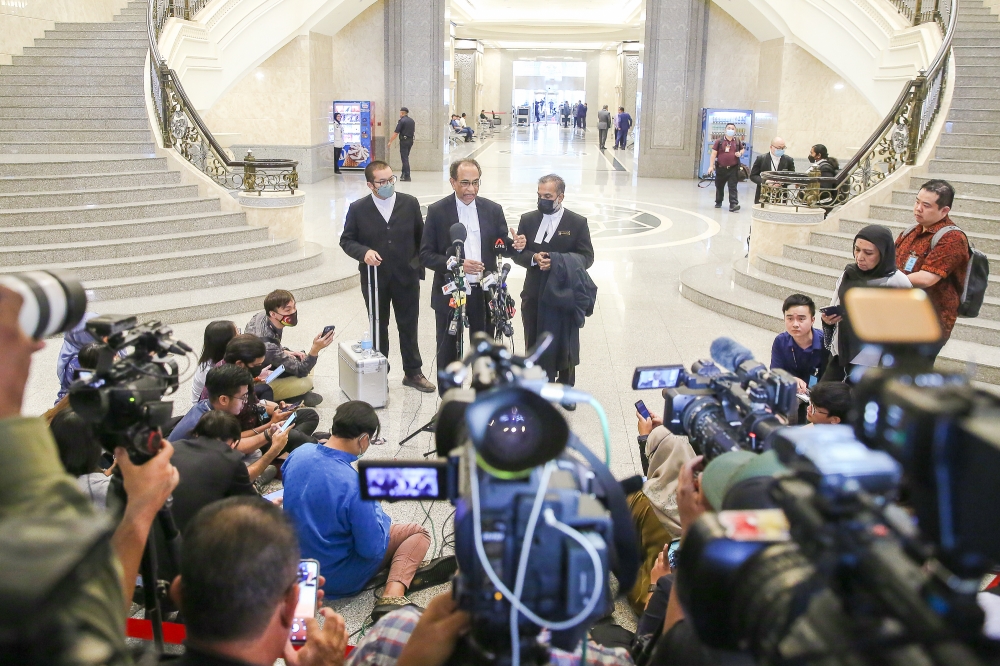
point(572, 235)
point(397, 242)
point(437, 238)
point(763, 163)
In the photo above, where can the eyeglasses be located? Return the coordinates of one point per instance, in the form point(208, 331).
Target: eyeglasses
point(469, 183)
point(389, 181)
point(821, 412)
point(242, 398)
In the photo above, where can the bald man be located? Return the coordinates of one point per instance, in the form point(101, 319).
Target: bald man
point(774, 159)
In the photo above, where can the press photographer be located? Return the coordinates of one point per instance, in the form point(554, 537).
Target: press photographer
point(50, 535)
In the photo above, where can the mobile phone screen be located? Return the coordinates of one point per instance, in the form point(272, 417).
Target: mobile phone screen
point(288, 422)
point(277, 372)
point(306, 608)
point(640, 407)
point(656, 377)
point(327, 329)
point(672, 553)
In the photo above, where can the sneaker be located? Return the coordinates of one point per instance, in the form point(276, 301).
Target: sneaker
point(405, 179)
point(385, 605)
point(733, 209)
point(435, 572)
point(266, 477)
point(419, 382)
point(311, 399)
point(718, 205)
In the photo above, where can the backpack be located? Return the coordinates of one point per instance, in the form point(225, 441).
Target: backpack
point(977, 275)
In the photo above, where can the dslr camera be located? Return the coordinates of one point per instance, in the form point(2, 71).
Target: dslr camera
point(539, 519)
point(728, 408)
point(885, 527)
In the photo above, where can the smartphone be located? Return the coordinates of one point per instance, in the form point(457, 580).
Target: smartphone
point(306, 608)
point(394, 480)
point(640, 407)
point(288, 422)
point(275, 496)
point(657, 376)
point(277, 372)
point(328, 329)
point(833, 310)
point(672, 554)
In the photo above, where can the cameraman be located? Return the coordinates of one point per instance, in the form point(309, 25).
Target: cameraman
point(37, 486)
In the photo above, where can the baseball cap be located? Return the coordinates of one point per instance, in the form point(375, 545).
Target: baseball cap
point(750, 472)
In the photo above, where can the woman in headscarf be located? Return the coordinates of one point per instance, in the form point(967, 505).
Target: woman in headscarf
point(874, 266)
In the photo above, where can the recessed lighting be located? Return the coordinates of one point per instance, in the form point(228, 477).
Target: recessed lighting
point(838, 86)
point(260, 75)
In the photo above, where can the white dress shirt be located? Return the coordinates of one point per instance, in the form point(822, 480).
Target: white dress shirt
point(385, 206)
point(547, 229)
point(468, 215)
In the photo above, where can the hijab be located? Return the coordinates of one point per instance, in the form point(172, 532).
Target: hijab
point(848, 346)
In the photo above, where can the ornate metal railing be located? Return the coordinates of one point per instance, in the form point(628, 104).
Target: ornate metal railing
point(184, 130)
point(896, 141)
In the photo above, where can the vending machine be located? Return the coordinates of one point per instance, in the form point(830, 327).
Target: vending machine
point(356, 119)
point(713, 127)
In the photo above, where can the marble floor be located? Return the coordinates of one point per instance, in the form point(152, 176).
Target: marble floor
point(645, 230)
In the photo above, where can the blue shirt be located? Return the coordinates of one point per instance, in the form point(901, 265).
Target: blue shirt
point(186, 425)
point(802, 363)
point(346, 534)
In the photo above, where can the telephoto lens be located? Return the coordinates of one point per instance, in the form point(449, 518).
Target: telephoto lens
point(54, 302)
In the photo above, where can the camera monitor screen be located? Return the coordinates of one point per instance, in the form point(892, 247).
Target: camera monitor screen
point(656, 377)
point(403, 482)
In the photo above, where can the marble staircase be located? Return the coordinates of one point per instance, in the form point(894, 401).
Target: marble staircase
point(967, 155)
point(81, 189)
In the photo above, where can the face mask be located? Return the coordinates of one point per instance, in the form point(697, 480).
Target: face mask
point(546, 206)
point(290, 320)
point(730, 132)
point(386, 190)
point(811, 159)
point(255, 369)
point(778, 152)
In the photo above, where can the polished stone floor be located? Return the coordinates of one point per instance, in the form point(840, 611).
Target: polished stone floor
point(646, 231)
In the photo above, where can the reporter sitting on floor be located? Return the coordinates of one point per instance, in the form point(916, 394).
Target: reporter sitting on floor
point(80, 453)
point(662, 454)
point(37, 489)
point(295, 384)
point(829, 403)
point(352, 539)
point(217, 336)
point(238, 591)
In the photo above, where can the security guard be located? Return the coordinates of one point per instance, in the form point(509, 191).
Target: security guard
point(405, 129)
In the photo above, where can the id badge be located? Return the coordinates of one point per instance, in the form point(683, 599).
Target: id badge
point(911, 261)
point(727, 149)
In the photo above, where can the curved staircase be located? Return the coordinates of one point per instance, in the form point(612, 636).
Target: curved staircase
point(967, 155)
point(81, 189)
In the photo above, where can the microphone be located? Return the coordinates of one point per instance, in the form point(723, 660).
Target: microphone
point(458, 233)
point(729, 354)
point(504, 272)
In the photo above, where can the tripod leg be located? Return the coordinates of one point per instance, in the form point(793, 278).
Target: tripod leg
point(150, 601)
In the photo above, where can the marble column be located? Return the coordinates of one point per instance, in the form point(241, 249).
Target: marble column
point(673, 71)
point(415, 55)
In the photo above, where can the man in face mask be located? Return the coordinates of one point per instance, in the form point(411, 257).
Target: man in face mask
point(549, 230)
point(725, 163)
point(383, 230)
point(773, 160)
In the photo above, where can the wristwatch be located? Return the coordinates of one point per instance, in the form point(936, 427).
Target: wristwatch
point(652, 588)
point(642, 439)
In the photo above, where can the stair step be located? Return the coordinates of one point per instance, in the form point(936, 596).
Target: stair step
point(113, 35)
point(980, 79)
point(127, 228)
point(57, 217)
point(235, 299)
point(967, 185)
point(968, 91)
point(939, 166)
point(68, 113)
point(104, 165)
point(979, 153)
point(75, 135)
point(988, 243)
point(13, 76)
point(133, 54)
point(112, 87)
point(973, 223)
point(20, 185)
point(89, 197)
point(124, 43)
point(718, 291)
point(164, 262)
point(990, 115)
point(977, 103)
point(135, 246)
point(100, 27)
point(977, 38)
point(57, 74)
point(978, 53)
point(134, 100)
point(964, 205)
point(963, 140)
point(70, 125)
point(78, 147)
point(84, 61)
point(264, 267)
point(977, 127)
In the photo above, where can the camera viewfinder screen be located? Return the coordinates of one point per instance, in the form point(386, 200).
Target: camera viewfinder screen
point(657, 378)
point(402, 482)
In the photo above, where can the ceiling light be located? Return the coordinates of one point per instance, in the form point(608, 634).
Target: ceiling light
point(838, 86)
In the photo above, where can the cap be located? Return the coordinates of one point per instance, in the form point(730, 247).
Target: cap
point(730, 469)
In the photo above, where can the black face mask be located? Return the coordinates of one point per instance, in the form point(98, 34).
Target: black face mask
point(255, 370)
point(811, 159)
point(546, 206)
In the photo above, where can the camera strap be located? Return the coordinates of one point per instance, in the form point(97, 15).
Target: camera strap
point(625, 558)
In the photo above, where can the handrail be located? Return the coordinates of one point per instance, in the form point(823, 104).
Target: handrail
point(895, 142)
point(182, 127)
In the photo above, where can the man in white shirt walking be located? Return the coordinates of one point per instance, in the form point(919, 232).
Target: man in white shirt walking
point(552, 228)
point(487, 239)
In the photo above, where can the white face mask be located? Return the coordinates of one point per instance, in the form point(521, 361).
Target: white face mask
point(730, 133)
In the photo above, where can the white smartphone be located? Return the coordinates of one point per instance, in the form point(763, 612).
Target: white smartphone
point(306, 608)
point(277, 372)
point(288, 422)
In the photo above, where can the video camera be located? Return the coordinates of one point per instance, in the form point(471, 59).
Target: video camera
point(718, 410)
point(841, 573)
point(539, 519)
point(122, 397)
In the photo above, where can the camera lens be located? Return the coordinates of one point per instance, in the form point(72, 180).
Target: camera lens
point(53, 301)
point(514, 429)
